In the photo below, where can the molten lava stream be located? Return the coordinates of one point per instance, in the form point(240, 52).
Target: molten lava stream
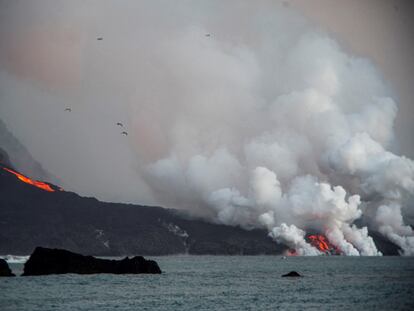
point(322, 244)
point(27, 180)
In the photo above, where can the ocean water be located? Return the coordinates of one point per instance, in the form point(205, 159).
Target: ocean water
point(225, 283)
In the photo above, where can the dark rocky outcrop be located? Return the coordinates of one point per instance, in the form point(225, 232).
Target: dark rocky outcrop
point(46, 261)
point(291, 274)
point(4, 269)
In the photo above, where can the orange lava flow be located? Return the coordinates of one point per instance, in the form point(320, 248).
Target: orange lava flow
point(29, 181)
point(320, 242)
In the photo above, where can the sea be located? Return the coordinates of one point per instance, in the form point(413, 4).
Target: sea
point(224, 283)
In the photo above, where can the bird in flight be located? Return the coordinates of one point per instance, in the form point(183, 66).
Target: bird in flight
point(208, 35)
point(99, 38)
point(68, 109)
point(124, 133)
point(120, 124)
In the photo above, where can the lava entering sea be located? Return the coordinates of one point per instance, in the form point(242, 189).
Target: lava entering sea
point(36, 183)
point(323, 245)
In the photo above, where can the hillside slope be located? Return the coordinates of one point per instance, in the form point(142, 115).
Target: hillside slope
point(31, 217)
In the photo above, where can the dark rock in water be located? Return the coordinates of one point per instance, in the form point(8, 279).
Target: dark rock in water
point(4, 269)
point(45, 261)
point(291, 274)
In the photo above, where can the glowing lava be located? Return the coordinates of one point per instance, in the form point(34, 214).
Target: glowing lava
point(291, 252)
point(29, 181)
point(321, 243)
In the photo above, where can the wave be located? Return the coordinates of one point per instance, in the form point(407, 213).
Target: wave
point(15, 259)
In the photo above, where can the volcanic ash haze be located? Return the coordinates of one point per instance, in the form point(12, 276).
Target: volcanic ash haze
point(264, 122)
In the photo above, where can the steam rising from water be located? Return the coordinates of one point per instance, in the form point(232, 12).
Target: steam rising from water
point(264, 123)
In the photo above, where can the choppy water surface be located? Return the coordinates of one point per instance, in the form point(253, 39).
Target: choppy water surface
point(225, 283)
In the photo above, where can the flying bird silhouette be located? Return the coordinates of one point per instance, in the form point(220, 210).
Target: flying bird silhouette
point(120, 124)
point(68, 109)
point(99, 38)
point(124, 133)
point(208, 35)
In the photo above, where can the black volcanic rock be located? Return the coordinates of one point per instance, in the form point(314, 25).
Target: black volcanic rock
point(4, 269)
point(385, 246)
point(291, 274)
point(46, 261)
point(30, 216)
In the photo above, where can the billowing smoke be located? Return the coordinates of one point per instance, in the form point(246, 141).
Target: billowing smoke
point(238, 112)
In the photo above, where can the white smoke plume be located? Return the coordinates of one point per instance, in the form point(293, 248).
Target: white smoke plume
point(239, 112)
point(390, 223)
point(294, 238)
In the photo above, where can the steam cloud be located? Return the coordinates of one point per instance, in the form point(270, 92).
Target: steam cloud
point(265, 123)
